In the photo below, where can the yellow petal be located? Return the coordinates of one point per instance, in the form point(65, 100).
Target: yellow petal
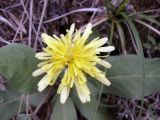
point(81, 75)
point(57, 38)
point(55, 76)
point(85, 35)
point(65, 78)
point(64, 39)
point(42, 70)
point(104, 63)
point(84, 97)
point(42, 87)
point(50, 41)
point(80, 94)
point(38, 72)
point(85, 88)
point(42, 54)
point(42, 83)
point(90, 45)
point(100, 42)
point(60, 88)
point(103, 79)
point(71, 29)
point(42, 64)
point(64, 94)
point(106, 49)
point(72, 82)
point(77, 36)
point(87, 31)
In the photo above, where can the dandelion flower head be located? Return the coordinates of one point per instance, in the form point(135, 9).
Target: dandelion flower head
point(76, 57)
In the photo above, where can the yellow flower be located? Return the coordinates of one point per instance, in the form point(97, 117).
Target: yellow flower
point(74, 56)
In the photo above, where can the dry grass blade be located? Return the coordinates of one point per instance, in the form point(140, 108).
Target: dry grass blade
point(30, 22)
point(132, 38)
point(40, 23)
point(17, 31)
point(149, 26)
point(95, 23)
point(24, 7)
point(74, 11)
point(4, 41)
point(46, 97)
point(122, 37)
point(17, 22)
point(21, 21)
point(146, 11)
point(21, 102)
point(2, 19)
point(31, 25)
point(11, 7)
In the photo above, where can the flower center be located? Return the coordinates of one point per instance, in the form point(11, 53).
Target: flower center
point(69, 58)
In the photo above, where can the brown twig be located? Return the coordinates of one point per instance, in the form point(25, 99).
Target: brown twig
point(27, 104)
point(40, 24)
point(20, 21)
point(4, 41)
point(46, 97)
point(30, 19)
point(74, 11)
point(30, 22)
point(20, 105)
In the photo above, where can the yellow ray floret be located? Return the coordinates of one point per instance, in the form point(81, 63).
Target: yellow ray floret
point(76, 57)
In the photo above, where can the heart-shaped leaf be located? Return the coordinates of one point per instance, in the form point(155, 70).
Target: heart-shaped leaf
point(17, 63)
point(126, 76)
point(65, 111)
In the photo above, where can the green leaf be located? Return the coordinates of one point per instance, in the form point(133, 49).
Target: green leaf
point(36, 98)
point(122, 6)
point(6, 96)
point(158, 47)
point(148, 18)
point(9, 99)
point(23, 117)
point(147, 45)
point(126, 76)
point(111, 33)
point(10, 109)
point(9, 104)
point(152, 40)
point(121, 36)
point(17, 63)
point(141, 58)
point(109, 5)
point(65, 111)
point(89, 110)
